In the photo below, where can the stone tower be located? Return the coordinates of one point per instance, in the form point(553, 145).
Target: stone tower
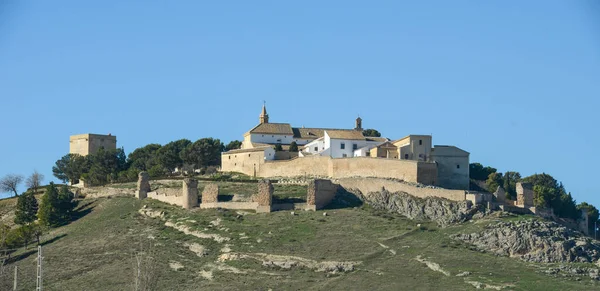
point(264, 117)
point(358, 123)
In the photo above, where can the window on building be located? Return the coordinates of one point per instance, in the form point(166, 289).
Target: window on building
point(406, 156)
point(420, 142)
point(316, 149)
point(344, 155)
point(354, 146)
point(230, 157)
point(368, 154)
point(342, 146)
point(458, 166)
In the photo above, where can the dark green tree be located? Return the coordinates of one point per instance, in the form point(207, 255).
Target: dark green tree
point(104, 166)
point(493, 181)
point(70, 168)
point(371, 132)
point(233, 145)
point(169, 156)
point(27, 208)
point(480, 173)
point(203, 153)
point(278, 147)
point(510, 180)
point(548, 192)
point(145, 157)
point(65, 204)
point(293, 147)
point(49, 214)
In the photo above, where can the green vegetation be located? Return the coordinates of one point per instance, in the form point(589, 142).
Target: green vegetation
point(371, 132)
point(103, 244)
point(233, 145)
point(56, 207)
point(293, 147)
point(278, 147)
point(26, 210)
point(548, 192)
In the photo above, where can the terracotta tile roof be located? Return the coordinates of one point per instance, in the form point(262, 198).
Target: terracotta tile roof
point(273, 128)
point(346, 134)
point(380, 139)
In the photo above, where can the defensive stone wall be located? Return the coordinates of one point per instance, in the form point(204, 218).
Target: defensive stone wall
point(308, 166)
point(524, 194)
point(366, 185)
point(320, 193)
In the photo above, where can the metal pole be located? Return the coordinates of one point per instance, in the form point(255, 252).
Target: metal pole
point(15, 282)
point(39, 270)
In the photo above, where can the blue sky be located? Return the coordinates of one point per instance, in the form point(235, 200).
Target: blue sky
point(515, 83)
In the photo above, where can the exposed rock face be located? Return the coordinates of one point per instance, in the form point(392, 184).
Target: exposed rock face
point(534, 241)
point(440, 210)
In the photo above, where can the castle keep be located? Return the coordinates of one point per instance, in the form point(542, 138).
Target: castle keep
point(341, 153)
point(85, 144)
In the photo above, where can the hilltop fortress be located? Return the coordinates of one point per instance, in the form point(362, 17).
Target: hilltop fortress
point(342, 153)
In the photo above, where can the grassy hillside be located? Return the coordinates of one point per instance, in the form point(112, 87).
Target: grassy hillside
point(386, 252)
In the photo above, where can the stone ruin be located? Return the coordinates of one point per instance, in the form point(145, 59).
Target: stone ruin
point(143, 185)
point(500, 195)
point(210, 193)
point(524, 194)
point(264, 196)
point(190, 193)
point(319, 193)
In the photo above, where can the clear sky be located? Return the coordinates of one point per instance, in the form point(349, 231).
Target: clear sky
point(515, 83)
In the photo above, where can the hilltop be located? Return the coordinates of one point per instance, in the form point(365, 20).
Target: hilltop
point(357, 247)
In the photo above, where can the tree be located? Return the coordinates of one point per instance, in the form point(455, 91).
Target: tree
point(10, 183)
point(70, 168)
point(203, 152)
point(480, 173)
point(371, 132)
point(26, 210)
point(493, 181)
point(145, 157)
point(510, 183)
point(49, 214)
point(278, 147)
point(548, 192)
point(293, 147)
point(169, 156)
point(65, 204)
point(34, 181)
point(233, 145)
point(104, 166)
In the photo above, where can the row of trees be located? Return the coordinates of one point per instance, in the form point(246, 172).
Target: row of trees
point(10, 183)
point(106, 166)
point(548, 192)
point(55, 209)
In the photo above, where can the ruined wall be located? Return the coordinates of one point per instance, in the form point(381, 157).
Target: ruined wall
point(264, 196)
point(190, 193)
point(366, 185)
point(500, 195)
point(230, 205)
point(320, 193)
point(167, 195)
point(426, 173)
point(143, 185)
point(311, 166)
point(524, 194)
point(210, 193)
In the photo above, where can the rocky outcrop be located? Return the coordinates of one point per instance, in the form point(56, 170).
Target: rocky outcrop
point(534, 241)
point(440, 210)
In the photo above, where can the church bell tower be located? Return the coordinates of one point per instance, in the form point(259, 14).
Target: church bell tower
point(264, 117)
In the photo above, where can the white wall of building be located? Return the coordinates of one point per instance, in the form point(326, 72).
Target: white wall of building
point(271, 138)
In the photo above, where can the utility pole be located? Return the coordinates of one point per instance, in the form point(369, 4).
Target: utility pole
point(15, 282)
point(39, 270)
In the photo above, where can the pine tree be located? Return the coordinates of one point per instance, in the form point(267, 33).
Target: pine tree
point(293, 147)
point(65, 204)
point(27, 208)
point(49, 214)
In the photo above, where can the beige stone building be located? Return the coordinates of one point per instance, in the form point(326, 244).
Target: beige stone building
point(85, 144)
point(346, 153)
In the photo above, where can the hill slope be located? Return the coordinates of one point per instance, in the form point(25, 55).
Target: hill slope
point(348, 249)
